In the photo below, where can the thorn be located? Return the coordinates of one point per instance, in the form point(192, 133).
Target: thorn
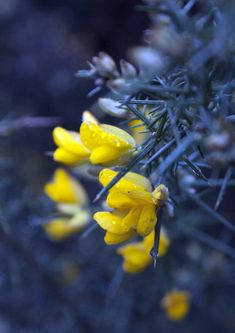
point(223, 188)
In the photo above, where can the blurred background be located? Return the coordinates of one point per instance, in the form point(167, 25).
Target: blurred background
point(76, 285)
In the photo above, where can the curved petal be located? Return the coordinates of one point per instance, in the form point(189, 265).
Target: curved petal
point(116, 199)
point(112, 239)
point(164, 243)
point(64, 156)
point(149, 241)
point(147, 220)
point(111, 222)
point(104, 154)
point(131, 218)
point(136, 258)
point(130, 182)
point(94, 135)
point(124, 138)
point(70, 141)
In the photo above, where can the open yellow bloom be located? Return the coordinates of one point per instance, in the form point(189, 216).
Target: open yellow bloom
point(134, 206)
point(71, 200)
point(176, 304)
point(137, 255)
point(98, 143)
point(109, 145)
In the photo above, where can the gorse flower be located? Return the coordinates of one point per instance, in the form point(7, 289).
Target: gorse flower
point(98, 143)
point(134, 206)
point(64, 189)
point(137, 255)
point(176, 304)
point(71, 200)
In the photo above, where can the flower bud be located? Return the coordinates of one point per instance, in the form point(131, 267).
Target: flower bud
point(128, 70)
point(105, 65)
point(112, 107)
point(120, 86)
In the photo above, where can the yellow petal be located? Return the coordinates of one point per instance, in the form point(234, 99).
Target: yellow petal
point(130, 220)
point(116, 199)
point(104, 154)
point(137, 128)
point(70, 141)
point(111, 222)
point(149, 241)
point(93, 136)
point(112, 239)
point(124, 138)
point(147, 220)
point(164, 243)
point(63, 156)
point(136, 258)
point(130, 182)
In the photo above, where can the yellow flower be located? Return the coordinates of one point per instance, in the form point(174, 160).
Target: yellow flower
point(137, 255)
point(65, 189)
point(71, 200)
point(60, 228)
point(176, 304)
point(134, 206)
point(109, 145)
point(97, 143)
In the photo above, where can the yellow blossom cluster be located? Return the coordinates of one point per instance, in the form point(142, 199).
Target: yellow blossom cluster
point(132, 203)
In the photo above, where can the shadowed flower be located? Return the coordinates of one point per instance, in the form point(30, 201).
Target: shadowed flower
point(176, 304)
point(137, 255)
point(71, 200)
point(134, 206)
